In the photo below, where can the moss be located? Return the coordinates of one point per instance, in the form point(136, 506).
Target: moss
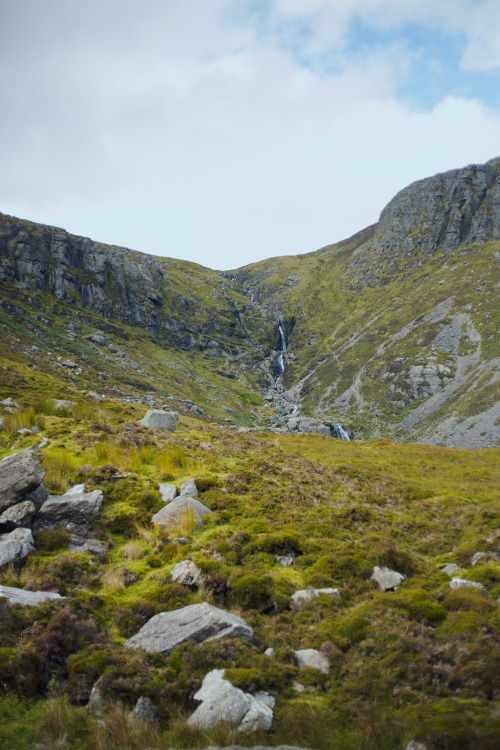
point(251, 591)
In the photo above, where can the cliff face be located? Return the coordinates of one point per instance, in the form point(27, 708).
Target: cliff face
point(442, 212)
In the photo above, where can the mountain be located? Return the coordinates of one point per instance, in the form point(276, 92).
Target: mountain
point(391, 332)
point(241, 563)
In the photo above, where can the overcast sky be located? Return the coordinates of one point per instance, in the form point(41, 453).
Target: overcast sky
point(228, 131)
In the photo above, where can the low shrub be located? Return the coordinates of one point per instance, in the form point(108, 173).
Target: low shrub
point(251, 591)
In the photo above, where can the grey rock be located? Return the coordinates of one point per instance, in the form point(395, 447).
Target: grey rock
point(68, 363)
point(10, 403)
point(20, 474)
point(414, 745)
point(221, 701)
point(168, 492)
point(96, 396)
point(20, 515)
point(305, 596)
point(76, 509)
point(172, 514)
point(269, 652)
point(450, 569)
point(477, 556)
point(38, 496)
point(199, 622)
point(310, 657)
point(27, 598)
point(112, 348)
point(90, 546)
point(189, 488)
point(456, 583)
point(62, 403)
point(285, 560)
point(157, 419)
point(14, 547)
point(98, 338)
point(96, 705)
point(386, 579)
point(143, 711)
point(187, 573)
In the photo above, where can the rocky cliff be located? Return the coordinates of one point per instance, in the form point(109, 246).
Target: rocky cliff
point(392, 332)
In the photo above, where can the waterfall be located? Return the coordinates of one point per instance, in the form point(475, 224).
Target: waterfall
point(340, 432)
point(282, 336)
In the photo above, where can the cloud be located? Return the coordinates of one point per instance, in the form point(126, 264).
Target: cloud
point(193, 130)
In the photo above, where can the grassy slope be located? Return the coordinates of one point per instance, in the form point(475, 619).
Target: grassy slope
point(419, 662)
point(345, 314)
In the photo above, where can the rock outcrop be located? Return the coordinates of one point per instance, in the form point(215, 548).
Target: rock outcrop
point(198, 622)
point(187, 573)
point(157, 419)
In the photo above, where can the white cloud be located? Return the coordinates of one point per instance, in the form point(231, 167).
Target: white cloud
point(169, 128)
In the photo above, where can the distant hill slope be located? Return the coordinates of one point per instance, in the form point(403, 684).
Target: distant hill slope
point(393, 332)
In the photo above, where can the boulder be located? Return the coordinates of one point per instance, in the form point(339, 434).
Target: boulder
point(285, 560)
point(386, 579)
point(76, 509)
point(38, 496)
point(189, 488)
point(14, 547)
point(20, 515)
point(172, 514)
point(27, 598)
point(221, 701)
point(157, 419)
point(414, 745)
point(168, 492)
point(20, 474)
point(198, 622)
point(310, 657)
point(187, 573)
point(90, 546)
point(304, 596)
point(10, 403)
point(143, 712)
point(455, 583)
point(98, 338)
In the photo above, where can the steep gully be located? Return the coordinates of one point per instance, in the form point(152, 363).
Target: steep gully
point(287, 408)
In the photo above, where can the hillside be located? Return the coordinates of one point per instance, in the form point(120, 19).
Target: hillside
point(189, 557)
point(392, 332)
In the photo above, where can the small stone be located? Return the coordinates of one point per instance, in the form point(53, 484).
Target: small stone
point(62, 403)
point(98, 338)
point(310, 657)
point(386, 579)
point(285, 560)
point(269, 652)
point(414, 745)
point(144, 711)
point(478, 556)
point(305, 596)
point(187, 573)
point(456, 583)
point(10, 403)
point(450, 569)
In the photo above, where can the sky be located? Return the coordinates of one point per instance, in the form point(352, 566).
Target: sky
point(229, 131)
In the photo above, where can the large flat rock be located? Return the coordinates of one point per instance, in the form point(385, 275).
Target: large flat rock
point(14, 547)
point(20, 474)
point(174, 512)
point(198, 622)
point(76, 509)
point(27, 598)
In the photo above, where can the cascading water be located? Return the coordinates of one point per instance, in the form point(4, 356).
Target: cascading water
point(341, 433)
point(280, 361)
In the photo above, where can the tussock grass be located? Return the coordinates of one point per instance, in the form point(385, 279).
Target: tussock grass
point(113, 578)
point(187, 522)
point(132, 550)
point(27, 418)
point(60, 469)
